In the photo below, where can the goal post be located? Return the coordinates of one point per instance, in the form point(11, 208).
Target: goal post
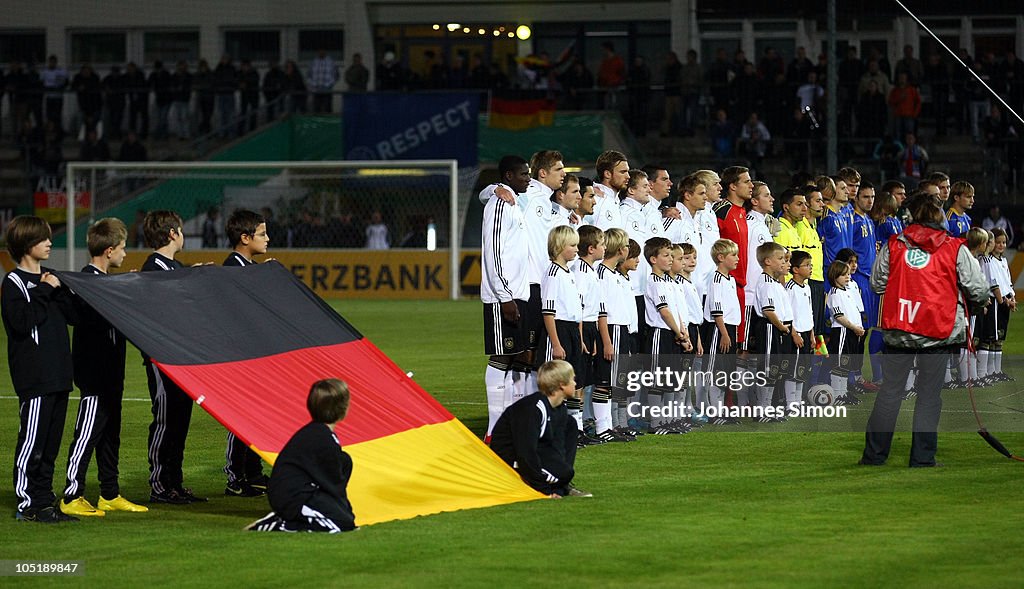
point(417, 201)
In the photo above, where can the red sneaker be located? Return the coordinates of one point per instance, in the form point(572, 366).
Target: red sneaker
point(870, 386)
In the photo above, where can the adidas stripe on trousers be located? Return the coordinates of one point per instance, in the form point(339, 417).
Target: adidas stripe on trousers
point(97, 429)
point(172, 413)
point(39, 437)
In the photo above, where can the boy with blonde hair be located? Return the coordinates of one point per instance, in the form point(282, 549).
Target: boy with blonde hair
point(97, 353)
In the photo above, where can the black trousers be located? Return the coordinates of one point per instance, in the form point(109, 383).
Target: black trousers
point(322, 513)
point(138, 116)
point(97, 429)
point(897, 363)
point(39, 436)
point(172, 413)
point(241, 463)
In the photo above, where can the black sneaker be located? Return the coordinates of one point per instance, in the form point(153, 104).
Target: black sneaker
point(609, 435)
point(584, 440)
point(63, 517)
point(243, 489)
point(44, 515)
point(260, 483)
point(170, 497)
point(190, 496)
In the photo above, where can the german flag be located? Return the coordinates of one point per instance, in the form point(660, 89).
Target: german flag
point(518, 112)
point(247, 342)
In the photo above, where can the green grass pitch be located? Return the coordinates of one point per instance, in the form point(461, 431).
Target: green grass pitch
point(768, 508)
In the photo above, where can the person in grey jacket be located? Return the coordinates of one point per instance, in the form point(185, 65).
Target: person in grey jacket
point(927, 278)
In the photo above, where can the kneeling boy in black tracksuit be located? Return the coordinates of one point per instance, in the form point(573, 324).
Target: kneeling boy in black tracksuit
point(536, 436)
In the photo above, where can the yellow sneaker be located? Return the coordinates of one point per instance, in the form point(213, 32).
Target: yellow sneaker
point(81, 508)
point(119, 503)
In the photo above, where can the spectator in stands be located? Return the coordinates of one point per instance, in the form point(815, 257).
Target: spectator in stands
point(936, 77)
point(225, 83)
point(723, 136)
point(94, 148)
point(17, 91)
point(673, 118)
point(717, 78)
point(874, 54)
point(911, 66)
point(913, 160)
point(611, 75)
point(276, 232)
point(996, 220)
point(390, 75)
point(746, 92)
point(295, 87)
point(479, 73)
point(249, 95)
point(1002, 144)
point(160, 83)
point(88, 90)
point(29, 141)
point(872, 113)
point(55, 80)
point(113, 87)
point(873, 74)
point(138, 100)
point(851, 69)
point(1014, 75)
point(53, 149)
point(771, 64)
point(210, 229)
point(274, 83)
point(458, 73)
point(691, 87)
point(887, 154)
point(796, 73)
point(90, 123)
point(36, 93)
point(977, 98)
point(132, 151)
point(638, 85)
point(357, 77)
point(904, 105)
point(377, 235)
point(577, 82)
point(323, 75)
point(810, 92)
point(202, 83)
point(181, 96)
point(754, 141)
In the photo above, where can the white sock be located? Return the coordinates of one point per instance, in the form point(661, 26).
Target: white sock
point(792, 396)
point(716, 397)
point(603, 416)
point(764, 396)
point(982, 364)
point(992, 361)
point(965, 372)
point(652, 402)
point(531, 382)
point(838, 385)
point(972, 366)
point(588, 402)
point(999, 361)
point(494, 381)
point(518, 386)
point(622, 413)
point(510, 388)
point(743, 397)
point(799, 395)
point(949, 373)
point(911, 379)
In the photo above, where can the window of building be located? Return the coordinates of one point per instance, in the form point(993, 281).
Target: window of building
point(170, 46)
point(257, 46)
point(22, 46)
point(313, 40)
point(97, 48)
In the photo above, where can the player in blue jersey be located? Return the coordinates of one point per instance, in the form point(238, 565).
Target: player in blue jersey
point(961, 196)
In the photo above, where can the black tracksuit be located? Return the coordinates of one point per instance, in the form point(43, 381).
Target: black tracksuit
point(242, 464)
point(98, 354)
point(172, 411)
point(539, 442)
point(307, 485)
point(36, 318)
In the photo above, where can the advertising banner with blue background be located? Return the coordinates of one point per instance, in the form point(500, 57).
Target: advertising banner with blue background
point(381, 126)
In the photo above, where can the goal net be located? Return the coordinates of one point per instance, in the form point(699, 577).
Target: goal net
point(320, 212)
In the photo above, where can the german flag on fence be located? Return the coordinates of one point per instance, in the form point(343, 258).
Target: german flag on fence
point(247, 342)
point(518, 112)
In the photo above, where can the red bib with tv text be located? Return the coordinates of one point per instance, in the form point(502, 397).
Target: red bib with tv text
point(921, 295)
